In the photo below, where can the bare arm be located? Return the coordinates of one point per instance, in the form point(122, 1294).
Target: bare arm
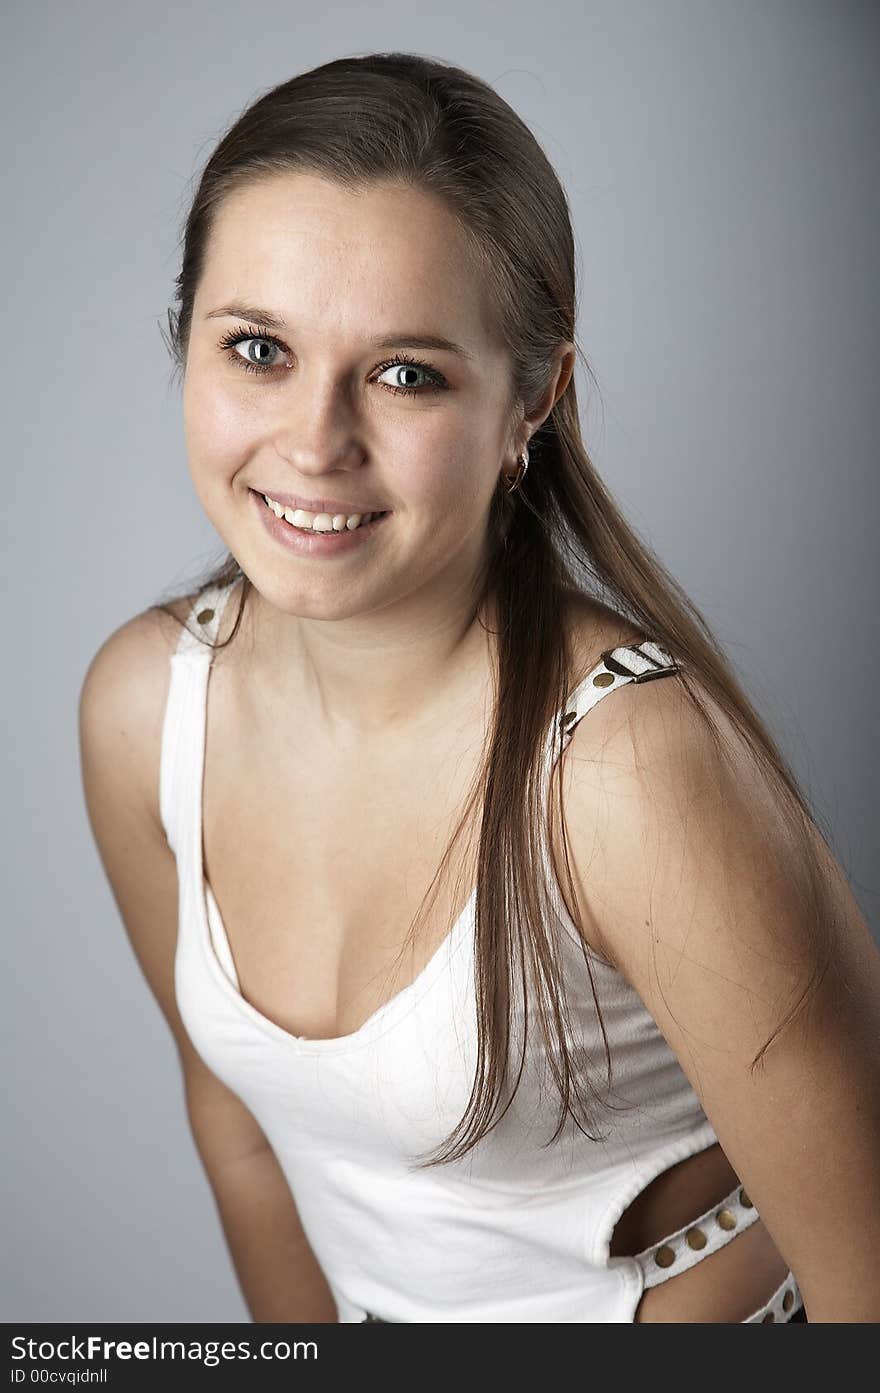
point(687, 879)
point(120, 716)
point(277, 1271)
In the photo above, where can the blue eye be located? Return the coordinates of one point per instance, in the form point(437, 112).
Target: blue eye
point(229, 344)
point(433, 379)
point(409, 366)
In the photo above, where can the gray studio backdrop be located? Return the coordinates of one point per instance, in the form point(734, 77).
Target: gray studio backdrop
point(720, 159)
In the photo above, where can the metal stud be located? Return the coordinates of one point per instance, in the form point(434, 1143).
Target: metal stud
point(665, 1256)
point(205, 616)
point(696, 1238)
point(745, 1201)
point(768, 1318)
point(726, 1220)
point(788, 1300)
point(603, 679)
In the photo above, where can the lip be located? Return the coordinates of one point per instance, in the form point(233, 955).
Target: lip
point(320, 505)
point(314, 544)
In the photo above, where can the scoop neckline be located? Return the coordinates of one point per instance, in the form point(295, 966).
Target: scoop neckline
point(390, 1012)
point(384, 1018)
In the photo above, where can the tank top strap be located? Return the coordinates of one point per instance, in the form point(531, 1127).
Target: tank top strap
point(184, 718)
point(203, 621)
point(641, 662)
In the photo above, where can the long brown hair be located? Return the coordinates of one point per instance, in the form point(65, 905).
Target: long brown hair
point(432, 126)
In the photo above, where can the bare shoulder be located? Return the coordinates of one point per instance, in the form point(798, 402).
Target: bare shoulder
point(652, 741)
point(121, 708)
point(680, 843)
point(121, 714)
point(123, 695)
point(642, 767)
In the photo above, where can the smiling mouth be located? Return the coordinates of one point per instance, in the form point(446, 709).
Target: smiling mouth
point(320, 541)
point(366, 519)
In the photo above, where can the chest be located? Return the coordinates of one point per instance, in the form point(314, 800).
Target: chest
point(320, 863)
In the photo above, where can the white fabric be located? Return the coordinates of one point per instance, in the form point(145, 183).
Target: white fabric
point(516, 1231)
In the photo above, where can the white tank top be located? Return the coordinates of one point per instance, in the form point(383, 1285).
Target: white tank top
point(516, 1230)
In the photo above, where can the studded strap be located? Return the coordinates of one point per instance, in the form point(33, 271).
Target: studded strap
point(705, 1235)
point(641, 662)
point(783, 1305)
point(696, 1240)
point(203, 621)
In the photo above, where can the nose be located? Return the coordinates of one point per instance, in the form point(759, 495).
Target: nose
point(317, 432)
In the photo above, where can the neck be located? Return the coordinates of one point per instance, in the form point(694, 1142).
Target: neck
point(388, 673)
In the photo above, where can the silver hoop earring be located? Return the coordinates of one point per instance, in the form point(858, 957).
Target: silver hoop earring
point(513, 481)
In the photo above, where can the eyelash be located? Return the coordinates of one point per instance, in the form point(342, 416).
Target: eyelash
point(236, 336)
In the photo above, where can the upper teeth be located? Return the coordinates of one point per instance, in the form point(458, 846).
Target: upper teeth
point(319, 522)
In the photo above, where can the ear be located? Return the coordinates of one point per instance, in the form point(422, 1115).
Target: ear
point(560, 375)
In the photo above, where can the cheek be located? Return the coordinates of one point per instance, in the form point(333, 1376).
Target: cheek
point(216, 429)
point(448, 468)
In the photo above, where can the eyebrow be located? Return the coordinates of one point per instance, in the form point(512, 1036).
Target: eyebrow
point(404, 339)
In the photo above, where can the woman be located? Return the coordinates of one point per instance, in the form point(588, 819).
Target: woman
point(640, 1096)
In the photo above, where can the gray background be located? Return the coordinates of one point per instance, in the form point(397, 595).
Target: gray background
point(718, 161)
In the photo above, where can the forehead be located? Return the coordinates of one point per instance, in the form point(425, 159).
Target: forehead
point(315, 252)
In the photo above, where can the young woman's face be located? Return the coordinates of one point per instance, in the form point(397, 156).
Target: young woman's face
point(352, 279)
